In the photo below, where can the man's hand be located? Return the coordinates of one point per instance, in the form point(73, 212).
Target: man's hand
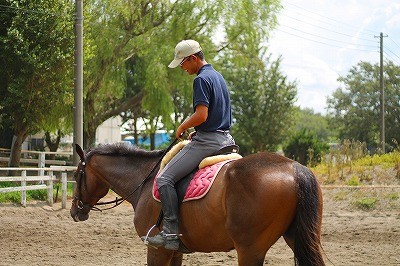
point(191, 134)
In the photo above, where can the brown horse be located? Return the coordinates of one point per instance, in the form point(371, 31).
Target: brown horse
point(252, 203)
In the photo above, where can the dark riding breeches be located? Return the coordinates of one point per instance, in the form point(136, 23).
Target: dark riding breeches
point(203, 144)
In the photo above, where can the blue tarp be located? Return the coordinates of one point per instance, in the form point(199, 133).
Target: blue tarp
point(160, 139)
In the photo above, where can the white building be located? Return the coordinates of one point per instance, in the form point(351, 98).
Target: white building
point(108, 132)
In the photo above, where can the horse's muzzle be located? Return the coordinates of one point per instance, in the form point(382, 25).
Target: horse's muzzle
point(78, 216)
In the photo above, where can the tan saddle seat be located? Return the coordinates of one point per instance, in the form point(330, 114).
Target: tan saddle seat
point(230, 152)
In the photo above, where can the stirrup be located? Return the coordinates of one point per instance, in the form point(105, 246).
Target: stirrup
point(146, 241)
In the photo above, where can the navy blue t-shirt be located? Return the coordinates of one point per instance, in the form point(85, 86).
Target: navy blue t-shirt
point(209, 89)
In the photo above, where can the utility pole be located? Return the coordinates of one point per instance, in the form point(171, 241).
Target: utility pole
point(78, 80)
point(382, 94)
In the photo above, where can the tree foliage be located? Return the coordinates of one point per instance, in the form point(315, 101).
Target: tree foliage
point(262, 97)
point(149, 31)
point(263, 105)
point(355, 108)
point(36, 45)
point(127, 47)
point(313, 122)
point(305, 147)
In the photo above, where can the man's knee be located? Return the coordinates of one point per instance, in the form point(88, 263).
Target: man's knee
point(164, 181)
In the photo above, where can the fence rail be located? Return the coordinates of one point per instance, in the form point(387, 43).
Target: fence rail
point(49, 178)
point(41, 161)
point(360, 187)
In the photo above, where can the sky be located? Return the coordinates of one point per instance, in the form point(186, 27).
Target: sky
point(320, 40)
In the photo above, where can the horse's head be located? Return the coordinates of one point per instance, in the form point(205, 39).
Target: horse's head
point(88, 190)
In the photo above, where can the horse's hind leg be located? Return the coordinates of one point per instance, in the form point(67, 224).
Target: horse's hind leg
point(289, 237)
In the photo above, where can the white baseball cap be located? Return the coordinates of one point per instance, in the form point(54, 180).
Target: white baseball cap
point(184, 49)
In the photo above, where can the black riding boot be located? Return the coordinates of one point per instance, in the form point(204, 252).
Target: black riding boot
point(169, 237)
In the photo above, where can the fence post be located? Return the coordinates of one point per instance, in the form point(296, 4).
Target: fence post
point(41, 164)
point(64, 190)
point(50, 189)
point(23, 188)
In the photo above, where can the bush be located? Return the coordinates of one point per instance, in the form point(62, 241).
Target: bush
point(353, 181)
point(305, 148)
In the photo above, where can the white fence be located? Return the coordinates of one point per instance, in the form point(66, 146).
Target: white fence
point(50, 178)
point(41, 161)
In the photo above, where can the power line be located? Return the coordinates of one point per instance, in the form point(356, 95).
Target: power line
point(324, 43)
point(329, 30)
point(329, 39)
point(387, 49)
point(394, 42)
point(331, 19)
point(388, 58)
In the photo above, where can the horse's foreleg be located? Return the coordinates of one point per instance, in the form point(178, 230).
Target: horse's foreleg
point(163, 257)
point(177, 259)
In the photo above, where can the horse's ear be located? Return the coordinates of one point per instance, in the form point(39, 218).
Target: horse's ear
point(80, 152)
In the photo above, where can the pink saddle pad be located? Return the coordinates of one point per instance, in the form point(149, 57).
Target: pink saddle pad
point(200, 183)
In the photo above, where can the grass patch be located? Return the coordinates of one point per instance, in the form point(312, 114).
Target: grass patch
point(40, 195)
point(353, 181)
point(366, 203)
point(340, 196)
point(393, 196)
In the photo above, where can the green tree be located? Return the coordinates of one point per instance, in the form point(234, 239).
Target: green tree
point(305, 147)
point(263, 105)
point(354, 110)
point(262, 97)
point(119, 30)
point(314, 122)
point(149, 31)
point(36, 46)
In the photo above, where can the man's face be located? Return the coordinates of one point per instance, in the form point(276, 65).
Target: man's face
point(189, 64)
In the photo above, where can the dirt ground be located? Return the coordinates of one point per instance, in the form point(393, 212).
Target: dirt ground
point(43, 235)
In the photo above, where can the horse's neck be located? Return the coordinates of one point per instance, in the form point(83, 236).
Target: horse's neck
point(129, 176)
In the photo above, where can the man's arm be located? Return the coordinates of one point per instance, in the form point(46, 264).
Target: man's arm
point(196, 119)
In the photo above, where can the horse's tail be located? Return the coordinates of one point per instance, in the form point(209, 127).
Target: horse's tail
point(307, 224)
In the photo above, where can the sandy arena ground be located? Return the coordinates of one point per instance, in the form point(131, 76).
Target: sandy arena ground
point(43, 235)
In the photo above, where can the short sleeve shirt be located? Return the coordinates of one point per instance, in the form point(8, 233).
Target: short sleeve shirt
point(209, 89)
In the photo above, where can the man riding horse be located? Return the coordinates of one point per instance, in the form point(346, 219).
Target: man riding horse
point(212, 119)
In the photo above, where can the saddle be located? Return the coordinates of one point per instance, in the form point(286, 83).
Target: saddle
point(199, 181)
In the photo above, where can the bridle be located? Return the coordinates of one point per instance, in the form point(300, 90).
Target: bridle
point(81, 178)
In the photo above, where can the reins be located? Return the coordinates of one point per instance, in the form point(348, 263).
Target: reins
point(119, 201)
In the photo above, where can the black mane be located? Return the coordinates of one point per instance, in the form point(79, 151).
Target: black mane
point(121, 149)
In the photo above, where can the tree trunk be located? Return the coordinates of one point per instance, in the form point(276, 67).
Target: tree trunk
point(89, 138)
point(53, 146)
point(16, 148)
